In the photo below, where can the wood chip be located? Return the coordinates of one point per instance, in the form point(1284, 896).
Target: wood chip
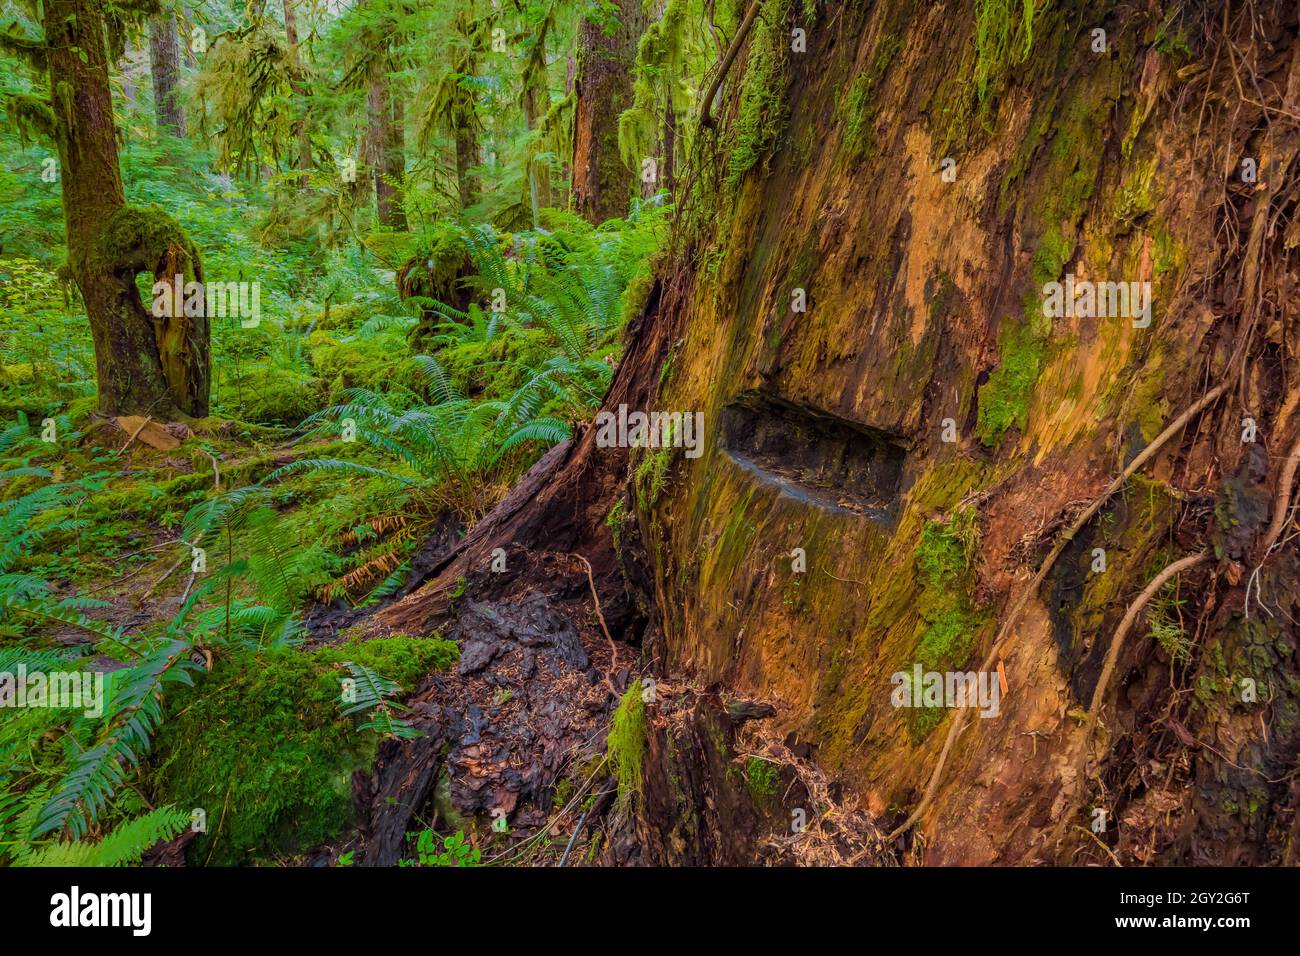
point(153, 434)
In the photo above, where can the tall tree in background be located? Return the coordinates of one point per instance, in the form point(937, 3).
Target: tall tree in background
point(535, 98)
point(465, 123)
point(376, 34)
point(165, 64)
point(303, 129)
point(144, 364)
point(187, 47)
point(451, 104)
point(602, 184)
point(386, 138)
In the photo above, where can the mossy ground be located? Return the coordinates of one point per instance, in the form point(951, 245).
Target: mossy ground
point(262, 746)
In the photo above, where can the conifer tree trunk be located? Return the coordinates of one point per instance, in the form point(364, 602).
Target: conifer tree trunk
point(143, 365)
point(467, 156)
point(602, 184)
point(387, 137)
point(465, 128)
point(303, 131)
point(535, 107)
point(165, 65)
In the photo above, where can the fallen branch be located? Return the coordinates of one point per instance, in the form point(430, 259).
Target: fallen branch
point(170, 571)
point(1004, 632)
point(135, 435)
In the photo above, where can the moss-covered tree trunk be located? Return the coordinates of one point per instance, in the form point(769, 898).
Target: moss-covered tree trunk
point(165, 65)
point(387, 136)
point(467, 184)
point(602, 184)
point(995, 433)
point(464, 119)
point(143, 365)
point(536, 100)
point(302, 130)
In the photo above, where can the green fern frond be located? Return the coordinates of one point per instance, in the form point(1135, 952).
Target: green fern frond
point(124, 846)
point(132, 717)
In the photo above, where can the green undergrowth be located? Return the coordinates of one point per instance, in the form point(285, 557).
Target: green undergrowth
point(262, 746)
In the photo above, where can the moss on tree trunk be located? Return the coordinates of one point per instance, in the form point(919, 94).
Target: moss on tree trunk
point(143, 365)
point(602, 184)
point(165, 67)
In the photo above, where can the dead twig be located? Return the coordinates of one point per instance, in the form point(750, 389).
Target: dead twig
point(613, 648)
point(134, 435)
point(216, 472)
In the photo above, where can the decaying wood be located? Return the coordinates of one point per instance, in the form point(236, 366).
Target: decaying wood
point(1131, 615)
point(1005, 633)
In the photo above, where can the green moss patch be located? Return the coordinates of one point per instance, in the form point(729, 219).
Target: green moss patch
point(262, 746)
point(858, 111)
point(762, 113)
point(951, 623)
point(627, 742)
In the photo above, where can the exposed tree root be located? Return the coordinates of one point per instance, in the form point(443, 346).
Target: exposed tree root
point(1005, 631)
point(706, 119)
point(1282, 504)
point(1108, 670)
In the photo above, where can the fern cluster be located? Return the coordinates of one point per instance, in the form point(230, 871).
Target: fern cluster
point(565, 291)
point(52, 797)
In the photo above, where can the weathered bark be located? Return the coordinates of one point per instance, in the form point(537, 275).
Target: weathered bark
point(916, 288)
point(165, 64)
point(602, 184)
point(386, 138)
point(143, 366)
point(915, 291)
